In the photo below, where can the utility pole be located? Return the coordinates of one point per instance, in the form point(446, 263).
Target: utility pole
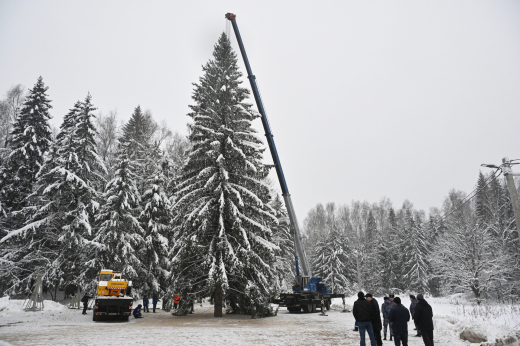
point(508, 173)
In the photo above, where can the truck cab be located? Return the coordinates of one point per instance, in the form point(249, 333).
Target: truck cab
point(113, 296)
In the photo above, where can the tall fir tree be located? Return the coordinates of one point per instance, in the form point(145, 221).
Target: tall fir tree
point(155, 221)
point(329, 261)
point(223, 220)
point(137, 141)
point(120, 234)
point(416, 264)
point(66, 198)
point(284, 267)
point(389, 256)
point(30, 140)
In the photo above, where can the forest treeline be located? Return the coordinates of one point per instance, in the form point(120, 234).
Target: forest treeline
point(197, 215)
point(467, 246)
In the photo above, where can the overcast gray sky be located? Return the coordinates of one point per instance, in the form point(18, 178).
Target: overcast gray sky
point(403, 99)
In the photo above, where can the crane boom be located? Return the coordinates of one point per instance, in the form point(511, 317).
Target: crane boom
point(299, 253)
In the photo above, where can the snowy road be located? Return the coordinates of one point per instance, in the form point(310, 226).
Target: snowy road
point(69, 327)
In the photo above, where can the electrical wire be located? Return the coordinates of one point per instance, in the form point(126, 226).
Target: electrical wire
point(472, 194)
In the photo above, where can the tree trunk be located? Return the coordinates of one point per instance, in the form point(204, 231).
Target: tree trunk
point(217, 312)
point(55, 298)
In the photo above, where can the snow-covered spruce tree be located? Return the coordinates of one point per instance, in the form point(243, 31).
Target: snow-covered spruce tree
point(388, 255)
point(501, 224)
point(372, 264)
point(155, 221)
point(223, 220)
point(416, 266)
point(329, 261)
point(137, 141)
point(284, 267)
point(65, 199)
point(119, 235)
point(30, 140)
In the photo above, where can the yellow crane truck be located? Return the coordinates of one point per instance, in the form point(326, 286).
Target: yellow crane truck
point(113, 296)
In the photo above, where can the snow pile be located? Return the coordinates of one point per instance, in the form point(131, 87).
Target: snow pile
point(7, 305)
point(491, 324)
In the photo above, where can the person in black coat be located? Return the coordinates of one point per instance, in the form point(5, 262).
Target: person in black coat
point(399, 316)
point(424, 319)
point(377, 326)
point(145, 304)
point(155, 299)
point(84, 300)
point(364, 314)
point(137, 312)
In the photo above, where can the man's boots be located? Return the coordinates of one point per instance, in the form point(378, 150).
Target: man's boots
point(384, 337)
point(391, 337)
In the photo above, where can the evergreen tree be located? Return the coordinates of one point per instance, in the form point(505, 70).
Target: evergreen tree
point(416, 258)
point(120, 234)
point(66, 199)
point(482, 206)
point(155, 219)
point(284, 267)
point(30, 140)
point(389, 256)
point(372, 260)
point(330, 261)
point(223, 220)
point(137, 142)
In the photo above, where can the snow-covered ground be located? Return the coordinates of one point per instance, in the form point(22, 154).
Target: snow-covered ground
point(58, 325)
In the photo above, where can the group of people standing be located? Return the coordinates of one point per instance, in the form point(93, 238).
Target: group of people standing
point(396, 316)
point(146, 301)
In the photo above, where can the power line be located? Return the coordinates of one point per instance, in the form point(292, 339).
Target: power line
point(472, 194)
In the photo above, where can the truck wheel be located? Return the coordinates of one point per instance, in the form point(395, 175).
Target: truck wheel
point(313, 308)
point(94, 317)
point(124, 318)
point(327, 304)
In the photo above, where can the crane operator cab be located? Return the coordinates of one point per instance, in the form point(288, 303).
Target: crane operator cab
point(310, 284)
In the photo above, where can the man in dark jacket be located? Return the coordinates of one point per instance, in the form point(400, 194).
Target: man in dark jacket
point(364, 314)
point(424, 320)
point(399, 316)
point(413, 304)
point(155, 299)
point(376, 319)
point(137, 312)
point(385, 308)
point(84, 300)
point(146, 301)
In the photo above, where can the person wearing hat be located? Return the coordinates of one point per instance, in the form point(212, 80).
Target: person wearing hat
point(413, 304)
point(424, 320)
point(376, 320)
point(137, 312)
point(364, 314)
point(386, 308)
point(399, 316)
